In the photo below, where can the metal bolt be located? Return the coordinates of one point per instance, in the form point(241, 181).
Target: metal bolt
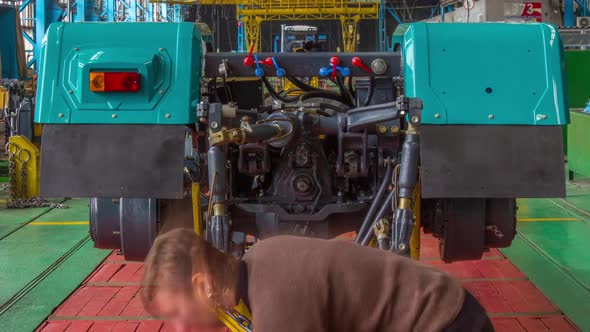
point(415, 119)
point(379, 66)
point(70, 91)
point(61, 115)
point(382, 129)
point(114, 116)
point(491, 116)
point(168, 116)
point(214, 125)
point(161, 92)
point(402, 247)
point(394, 129)
point(437, 116)
point(161, 49)
point(541, 117)
point(76, 49)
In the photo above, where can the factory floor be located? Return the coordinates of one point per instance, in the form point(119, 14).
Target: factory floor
point(52, 279)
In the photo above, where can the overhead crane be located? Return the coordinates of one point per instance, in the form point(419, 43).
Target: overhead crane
point(252, 13)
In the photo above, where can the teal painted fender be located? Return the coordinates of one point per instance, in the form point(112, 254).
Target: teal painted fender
point(166, 55)
point(484, 73)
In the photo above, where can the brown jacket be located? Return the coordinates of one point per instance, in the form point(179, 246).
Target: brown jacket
point(310, 285)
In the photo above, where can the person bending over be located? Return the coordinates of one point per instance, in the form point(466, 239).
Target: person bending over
point(304, 285)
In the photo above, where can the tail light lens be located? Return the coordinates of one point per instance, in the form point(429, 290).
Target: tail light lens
point(114, 81)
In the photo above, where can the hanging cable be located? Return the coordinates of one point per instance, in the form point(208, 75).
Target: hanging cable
point(323, 94)
point(275, 95)
point(344, 92)
point(301, 85)
point(369, 93)
point(225, 14)
point(350, 88)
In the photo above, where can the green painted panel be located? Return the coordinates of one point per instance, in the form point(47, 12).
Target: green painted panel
point(577, 70)
point(578, 139)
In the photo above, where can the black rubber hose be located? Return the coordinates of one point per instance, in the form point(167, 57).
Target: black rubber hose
point(275, 95)
point(332, 107)
point(285, 93)
point(378, 217)
point(343, 92)
point(263, 132)
point(408, 172)
point(369, 93)
point(301, 85)
point(365, 226)
point(350, 89)
point(323, 94)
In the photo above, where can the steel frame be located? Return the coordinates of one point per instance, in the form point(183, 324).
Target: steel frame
point(37, 15)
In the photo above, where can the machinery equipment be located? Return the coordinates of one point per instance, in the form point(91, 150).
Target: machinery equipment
point(137, 118)
point(300, 38)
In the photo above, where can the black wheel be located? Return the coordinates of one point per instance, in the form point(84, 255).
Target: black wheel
point(138, 222)
point(104, 223)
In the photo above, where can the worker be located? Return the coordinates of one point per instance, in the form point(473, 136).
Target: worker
point(304, 285)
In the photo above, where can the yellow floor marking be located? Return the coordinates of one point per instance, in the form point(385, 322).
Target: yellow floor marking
point(546, 219)
point(60, 223)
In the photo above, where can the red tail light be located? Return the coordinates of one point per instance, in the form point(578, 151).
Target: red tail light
point(114, 81)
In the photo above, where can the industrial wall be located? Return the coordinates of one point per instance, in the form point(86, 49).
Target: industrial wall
point(223, 23)
point(507, 10)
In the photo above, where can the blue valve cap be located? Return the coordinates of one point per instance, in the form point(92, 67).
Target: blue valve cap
point(345, 71)
point(281, 72)
point(325, 71)
point(258, 72)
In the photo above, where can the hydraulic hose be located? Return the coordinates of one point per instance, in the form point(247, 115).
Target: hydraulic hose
point(264, 132)
point(365, 226)
point(275, 95)
point(379, 215)
point(301, 85)
point(323, 94)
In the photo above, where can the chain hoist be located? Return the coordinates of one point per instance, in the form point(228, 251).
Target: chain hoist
point(24, 156)
point(19, 200)
point(11, 150)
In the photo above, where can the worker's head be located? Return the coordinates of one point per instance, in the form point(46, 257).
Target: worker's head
point(185, 279)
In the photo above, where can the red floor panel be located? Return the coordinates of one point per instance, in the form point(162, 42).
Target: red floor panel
point(109, 300)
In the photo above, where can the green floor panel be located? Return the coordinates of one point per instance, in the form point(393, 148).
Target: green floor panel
point(564, 242)
point(581, 203)
point(543, 209)
point(32, 309)
point(579, 187)
point(554, 254)
point(77, 211)
point(31, 250)
point(12, 219)
point(561, 288)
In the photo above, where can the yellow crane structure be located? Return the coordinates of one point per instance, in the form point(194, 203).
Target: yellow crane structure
point(252, 13)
